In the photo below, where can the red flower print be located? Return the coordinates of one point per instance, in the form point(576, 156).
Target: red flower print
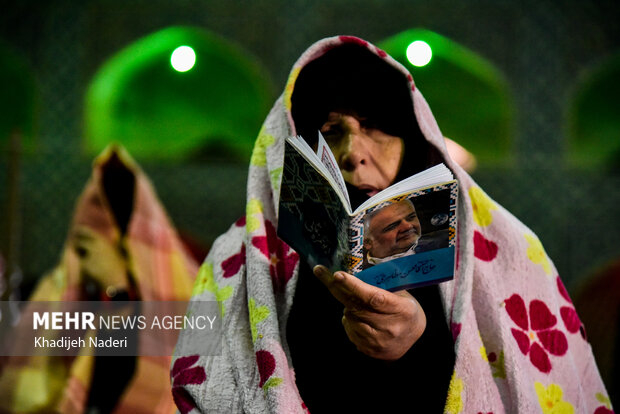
point(570, 318)
point(455, 328)
point(568, 313)
point(266, 366)
point(603, 410)
point(232, 265)
point(353, 39)
point(240, 222)
point(281, 257)
point(182, 375)
point(381, 52)
point(484, 249)
point(536, 335)
point(410, 79)
point(562, 289)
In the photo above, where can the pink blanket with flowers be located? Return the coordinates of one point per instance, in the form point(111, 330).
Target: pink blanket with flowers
point(519, 343)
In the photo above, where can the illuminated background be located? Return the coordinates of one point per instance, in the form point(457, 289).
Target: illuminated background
point(529, 87)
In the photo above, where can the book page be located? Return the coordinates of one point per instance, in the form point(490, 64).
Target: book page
point(327, 158)
point(302, 147)
point(429, 177)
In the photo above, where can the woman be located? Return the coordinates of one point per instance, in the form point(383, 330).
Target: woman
point(501, 337)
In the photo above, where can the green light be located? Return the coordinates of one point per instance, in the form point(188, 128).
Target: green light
point(419, 53)
point(183, 58)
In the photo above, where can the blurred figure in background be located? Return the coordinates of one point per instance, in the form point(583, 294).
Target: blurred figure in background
point(121, 246)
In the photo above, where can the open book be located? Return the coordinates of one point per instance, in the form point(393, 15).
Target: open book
point(400, 238)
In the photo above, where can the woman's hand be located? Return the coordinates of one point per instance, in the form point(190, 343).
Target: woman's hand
point(381, 324)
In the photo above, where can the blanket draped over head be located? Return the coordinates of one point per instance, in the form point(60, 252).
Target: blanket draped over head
point(120, 240)
point(519, 344)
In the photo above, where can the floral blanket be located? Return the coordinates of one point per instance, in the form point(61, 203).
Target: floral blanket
point(519, 344)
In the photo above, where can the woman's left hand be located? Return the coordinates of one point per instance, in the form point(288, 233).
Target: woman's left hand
point(381, 324)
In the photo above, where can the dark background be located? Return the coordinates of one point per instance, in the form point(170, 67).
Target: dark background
point(544, 48)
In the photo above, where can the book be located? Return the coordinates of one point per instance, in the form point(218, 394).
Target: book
point(400, 238)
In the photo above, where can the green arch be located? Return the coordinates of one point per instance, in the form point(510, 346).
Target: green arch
point(594, 117)
point(139, 100)
point(469, 97)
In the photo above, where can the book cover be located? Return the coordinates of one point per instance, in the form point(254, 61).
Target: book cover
point(311, 217)
point(407, 241)
point(403, 237)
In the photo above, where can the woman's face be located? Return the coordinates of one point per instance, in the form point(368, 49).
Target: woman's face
point(368, 157)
